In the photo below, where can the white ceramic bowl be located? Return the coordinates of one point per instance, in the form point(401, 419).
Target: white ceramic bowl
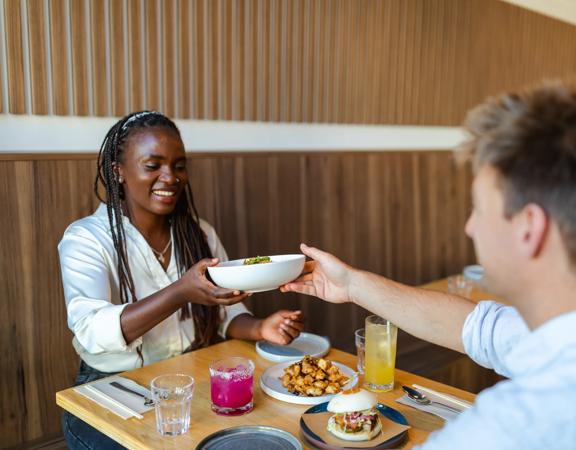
point(257, 277)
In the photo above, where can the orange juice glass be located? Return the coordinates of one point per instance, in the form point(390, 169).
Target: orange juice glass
point(380, 354)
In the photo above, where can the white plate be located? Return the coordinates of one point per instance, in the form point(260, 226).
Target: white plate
point(305, 344)
point(272, 385)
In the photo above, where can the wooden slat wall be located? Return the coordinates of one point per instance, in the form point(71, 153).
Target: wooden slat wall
point(396, 213)
point(347, 61)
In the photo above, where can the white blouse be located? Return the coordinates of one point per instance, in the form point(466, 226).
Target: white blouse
point(91, 289)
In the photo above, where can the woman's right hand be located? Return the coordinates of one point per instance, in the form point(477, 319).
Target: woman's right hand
point(198, 289)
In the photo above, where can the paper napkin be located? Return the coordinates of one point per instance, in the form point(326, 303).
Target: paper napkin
point(123, 404)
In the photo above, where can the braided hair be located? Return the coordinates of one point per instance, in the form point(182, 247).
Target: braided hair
point(190, 243)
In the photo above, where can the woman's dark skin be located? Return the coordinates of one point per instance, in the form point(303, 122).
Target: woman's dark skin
point(153, 174)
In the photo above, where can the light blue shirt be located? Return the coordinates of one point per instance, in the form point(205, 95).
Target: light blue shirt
point(536, 408)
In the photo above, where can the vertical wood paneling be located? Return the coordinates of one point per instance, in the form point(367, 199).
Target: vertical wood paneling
point(79, 36)
point(347, 61)
point(199, 59)
point(99, 58)
point(153, 61)
point(183, 49)
point(3, 64)
point(170, 54)
point(59, 45)
point(14, 56)
point(118, 58)
point(136, 54)
point(38, 70)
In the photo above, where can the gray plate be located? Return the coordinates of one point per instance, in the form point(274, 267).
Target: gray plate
point(256, 437)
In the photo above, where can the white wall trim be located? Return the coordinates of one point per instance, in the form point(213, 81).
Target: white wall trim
point(48, 134)
point(564, 10)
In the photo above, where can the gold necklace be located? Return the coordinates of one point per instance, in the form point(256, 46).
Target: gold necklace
point(160, 255)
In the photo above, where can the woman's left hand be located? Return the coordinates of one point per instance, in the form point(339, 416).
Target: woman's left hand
point(282, 327)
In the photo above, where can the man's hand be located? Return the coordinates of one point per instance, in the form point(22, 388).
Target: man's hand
point(325, 277)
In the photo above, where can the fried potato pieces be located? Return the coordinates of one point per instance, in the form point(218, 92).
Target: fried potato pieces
point(313, 377)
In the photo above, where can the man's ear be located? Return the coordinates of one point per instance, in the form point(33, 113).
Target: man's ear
point(532, 226)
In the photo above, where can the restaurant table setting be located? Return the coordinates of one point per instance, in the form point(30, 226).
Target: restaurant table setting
point(237, 394)
point(122, 396)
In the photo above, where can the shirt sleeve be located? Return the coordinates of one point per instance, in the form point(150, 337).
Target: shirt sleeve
point(490, 331)
point(92, 317)
point(228, 312)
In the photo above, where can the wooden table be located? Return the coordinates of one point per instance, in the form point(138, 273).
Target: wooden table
point(142, 434)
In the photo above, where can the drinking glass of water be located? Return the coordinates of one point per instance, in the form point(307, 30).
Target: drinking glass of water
point(172, 396)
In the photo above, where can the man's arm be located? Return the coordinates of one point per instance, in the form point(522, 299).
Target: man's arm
point(429, 315)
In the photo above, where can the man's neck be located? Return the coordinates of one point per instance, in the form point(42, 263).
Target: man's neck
point(548, 295)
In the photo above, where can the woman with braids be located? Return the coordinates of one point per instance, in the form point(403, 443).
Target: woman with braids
point(134, 272)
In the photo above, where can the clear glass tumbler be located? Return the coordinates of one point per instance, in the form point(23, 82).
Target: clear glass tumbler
point(360, 340)
point(231, 386)
point(172, 394)
point(380, 354)
point(460, 285)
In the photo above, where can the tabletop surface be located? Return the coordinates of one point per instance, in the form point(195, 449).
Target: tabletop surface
point(142, 434)
point(477, 294)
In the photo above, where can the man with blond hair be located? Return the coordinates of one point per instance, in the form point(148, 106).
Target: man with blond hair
point(523, 224)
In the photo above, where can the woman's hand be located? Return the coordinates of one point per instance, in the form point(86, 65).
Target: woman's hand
point(198, 289)
point(282, 327)
point(325, 277)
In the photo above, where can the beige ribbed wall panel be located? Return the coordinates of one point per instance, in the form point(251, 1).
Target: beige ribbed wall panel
point(14, 57)
point(100, 60)
point(38, 57)
point(347, 61)
point(136, 52)
point(80, 57)
point(59, 42)
point(118, 58)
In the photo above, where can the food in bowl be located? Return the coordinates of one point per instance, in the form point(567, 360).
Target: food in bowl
point(355, 415)
point(257, 260)
point(313, 377)
point(257, 277)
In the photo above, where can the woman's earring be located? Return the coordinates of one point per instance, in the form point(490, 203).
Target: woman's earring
point(120, 179)
point(177, 180)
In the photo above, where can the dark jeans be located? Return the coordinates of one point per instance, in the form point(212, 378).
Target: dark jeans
point(79, 435)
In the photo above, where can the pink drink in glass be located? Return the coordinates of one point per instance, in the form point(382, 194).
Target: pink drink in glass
point(231, 386)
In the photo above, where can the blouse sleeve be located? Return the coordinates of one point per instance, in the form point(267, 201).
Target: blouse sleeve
point(218, 251)
point(86, 275)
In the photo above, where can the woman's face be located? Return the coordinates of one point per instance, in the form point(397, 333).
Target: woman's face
point(154, 171)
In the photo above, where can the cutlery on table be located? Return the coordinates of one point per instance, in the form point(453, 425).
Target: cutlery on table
point(421, 398)
point(147, 401)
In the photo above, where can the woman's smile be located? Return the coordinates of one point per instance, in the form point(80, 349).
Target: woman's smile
point(165, 195)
